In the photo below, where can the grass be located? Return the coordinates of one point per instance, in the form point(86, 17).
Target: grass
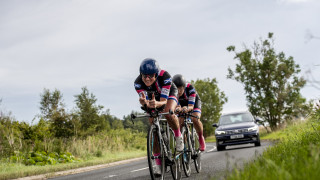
point(102, 148)
point(295, 156)
point(15, 170)
point(211, 139)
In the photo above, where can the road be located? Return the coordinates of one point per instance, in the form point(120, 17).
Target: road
point(214, 164)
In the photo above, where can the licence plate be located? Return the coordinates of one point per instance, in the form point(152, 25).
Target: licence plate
point(237, 136)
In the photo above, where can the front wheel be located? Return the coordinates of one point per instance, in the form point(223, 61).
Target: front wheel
point(153, 144)
point(176, 165)
point(197, 152)
point(186, 156)
point(221, 148)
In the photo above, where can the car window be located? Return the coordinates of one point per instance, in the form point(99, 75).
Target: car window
point(235, 118)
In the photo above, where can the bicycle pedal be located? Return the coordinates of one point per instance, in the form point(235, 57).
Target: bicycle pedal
point(169, 162)
point(195, 156)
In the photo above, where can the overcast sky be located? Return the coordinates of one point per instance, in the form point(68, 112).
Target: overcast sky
point(69, 44)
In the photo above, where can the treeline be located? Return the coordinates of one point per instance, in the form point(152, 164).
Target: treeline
point(88, 129)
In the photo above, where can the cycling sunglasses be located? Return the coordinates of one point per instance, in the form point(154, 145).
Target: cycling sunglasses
point(148, 76)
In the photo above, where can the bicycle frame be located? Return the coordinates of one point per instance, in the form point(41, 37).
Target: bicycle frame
point(156, 115)
point(191, 152)
point(161, 128)
point(188, 122)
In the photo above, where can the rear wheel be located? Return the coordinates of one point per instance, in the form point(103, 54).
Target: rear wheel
point(197, 155)
point(186, 156)
point(153, 141)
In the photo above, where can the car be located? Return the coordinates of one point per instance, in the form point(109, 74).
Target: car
point(237, 128)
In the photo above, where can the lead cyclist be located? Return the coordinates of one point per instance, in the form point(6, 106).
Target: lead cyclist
point(189, 101)
point(155, 89)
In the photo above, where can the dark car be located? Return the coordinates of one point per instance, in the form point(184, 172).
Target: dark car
point(236, 128)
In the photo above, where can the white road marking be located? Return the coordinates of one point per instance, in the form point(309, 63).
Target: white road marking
point(140, 169)
point(214, 148)
point(110, 176)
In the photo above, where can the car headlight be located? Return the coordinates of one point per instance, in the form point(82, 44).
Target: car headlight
point(220, 132)
point(254, 128)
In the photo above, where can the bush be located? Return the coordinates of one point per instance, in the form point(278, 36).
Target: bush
point(42, 158)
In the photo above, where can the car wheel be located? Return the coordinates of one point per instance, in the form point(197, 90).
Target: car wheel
point(221, 148)
point(257, 143)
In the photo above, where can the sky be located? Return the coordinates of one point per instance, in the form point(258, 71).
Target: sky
point(99, 44)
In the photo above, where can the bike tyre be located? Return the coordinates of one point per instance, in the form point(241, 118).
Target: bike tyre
point(186, 159)
point(196, 146)
point(176, 167)
point(151, 162)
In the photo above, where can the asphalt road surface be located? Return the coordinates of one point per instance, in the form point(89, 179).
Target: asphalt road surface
point(214, 165)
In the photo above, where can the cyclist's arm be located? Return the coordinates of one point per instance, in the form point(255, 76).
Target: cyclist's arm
point(192, 97)
point(190, 107)
point(163, 101)
point(153, 103)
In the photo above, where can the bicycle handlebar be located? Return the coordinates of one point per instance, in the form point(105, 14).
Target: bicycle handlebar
point(188, 114)
point(151, 113)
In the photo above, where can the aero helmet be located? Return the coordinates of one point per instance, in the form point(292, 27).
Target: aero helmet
point(179, 80)
point(149, 66)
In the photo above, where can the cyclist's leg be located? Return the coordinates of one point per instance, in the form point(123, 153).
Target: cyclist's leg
point(181, 119)
point(156, 148)
point(171, 105)
point(173, 120)
point(198, 124)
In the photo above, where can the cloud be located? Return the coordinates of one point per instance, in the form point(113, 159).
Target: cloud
point(294, 1)
point(100, 44)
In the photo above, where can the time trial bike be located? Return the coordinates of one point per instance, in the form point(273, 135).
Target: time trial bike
point(191, 144)
point(161, 138)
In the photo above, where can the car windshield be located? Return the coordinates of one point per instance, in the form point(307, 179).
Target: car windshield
point(235, 118)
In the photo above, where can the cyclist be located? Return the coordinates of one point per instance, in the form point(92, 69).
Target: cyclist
point(189, 100)
point(156, 90)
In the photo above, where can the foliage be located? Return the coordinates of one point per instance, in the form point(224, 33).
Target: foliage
point(89, 113)
point(41, 158)
point(140, 125)
point(10, 135)
point(271, 82)
point(295, 157)
point(212, 102)
point(52, 110)
point(51, 103)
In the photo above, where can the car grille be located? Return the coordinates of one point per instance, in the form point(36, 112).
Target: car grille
point(236, 131)
point(237, 140)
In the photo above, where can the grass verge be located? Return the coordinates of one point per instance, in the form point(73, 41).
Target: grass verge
point(15, 170)
point(211, 139)
point(295, 156)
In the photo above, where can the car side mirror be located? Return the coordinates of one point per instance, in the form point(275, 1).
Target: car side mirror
point(215, 125)
point(259, 120)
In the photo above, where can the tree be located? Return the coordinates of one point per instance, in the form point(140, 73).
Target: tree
point(88, 112)
point(10, 135)
point(270, 80)
point(212, 103)
point(52, 110)
point(140, 124)
point(51, 103)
